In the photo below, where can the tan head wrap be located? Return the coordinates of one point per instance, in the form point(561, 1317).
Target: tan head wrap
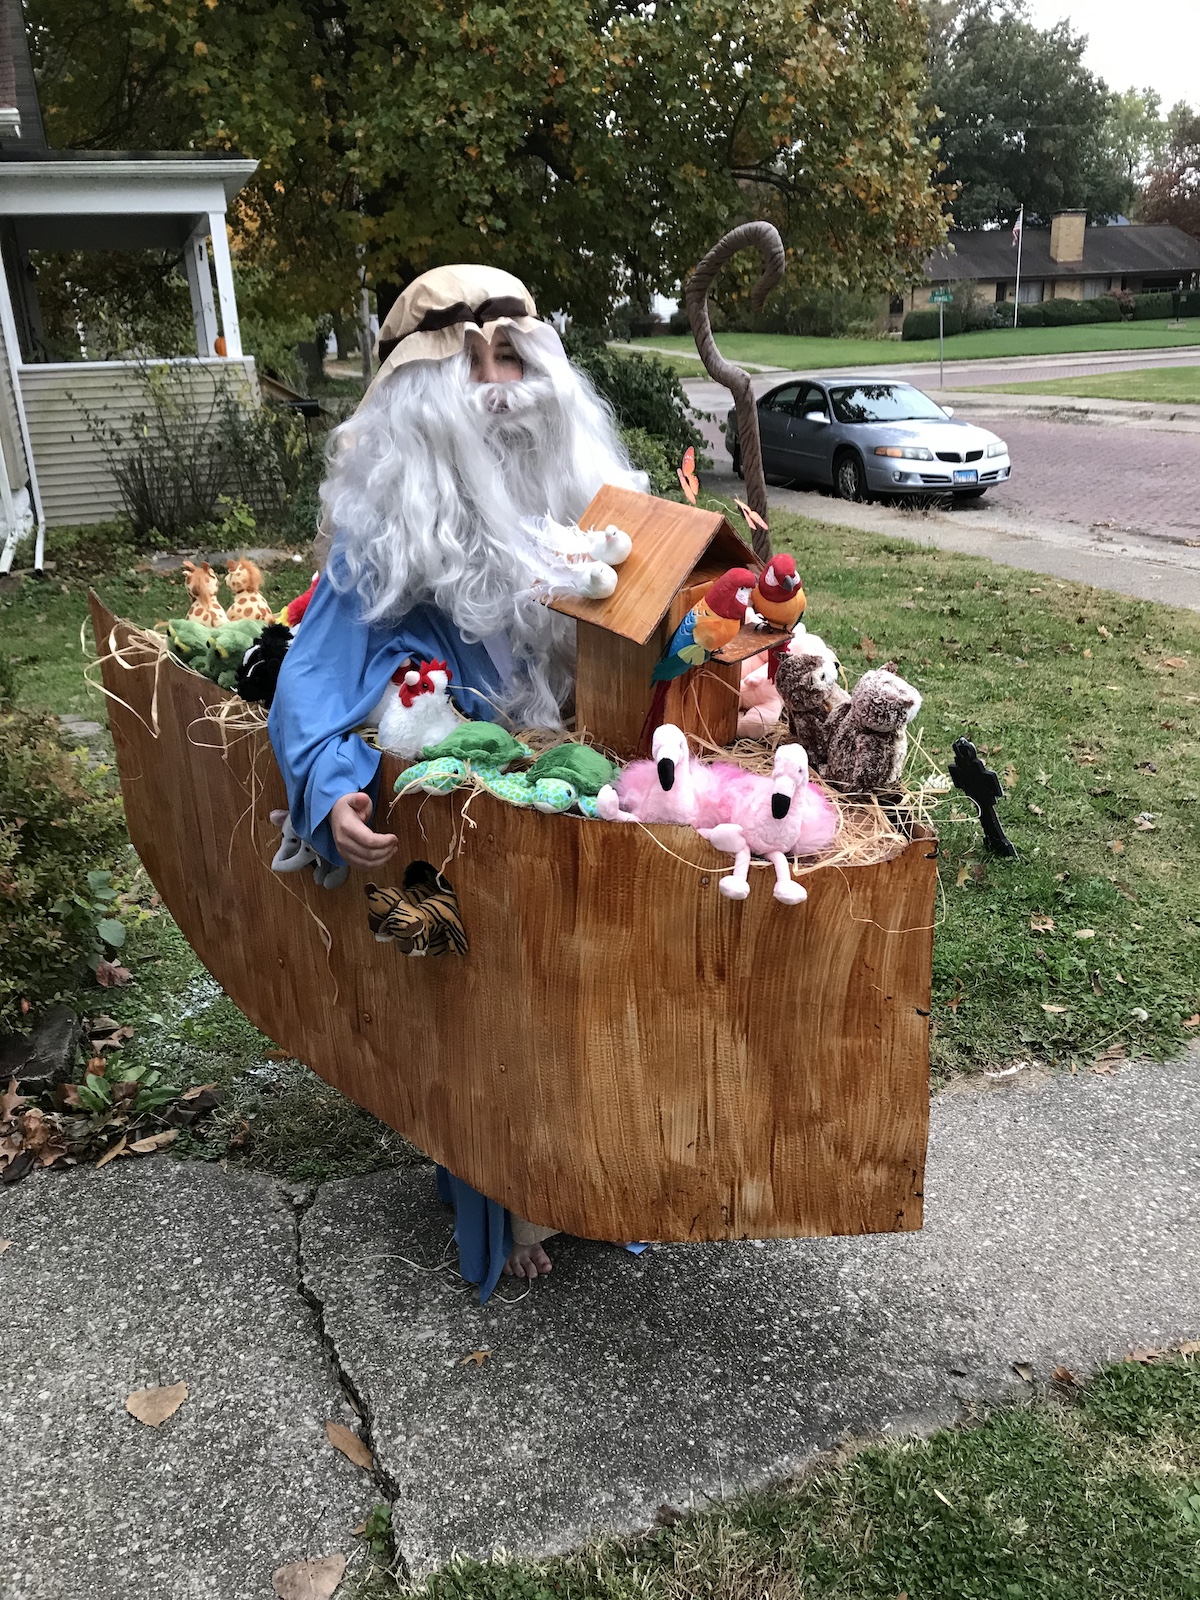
point(431, 319)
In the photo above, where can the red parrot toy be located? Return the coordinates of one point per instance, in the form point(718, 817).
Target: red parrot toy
point(779, 599)
point(713, 622)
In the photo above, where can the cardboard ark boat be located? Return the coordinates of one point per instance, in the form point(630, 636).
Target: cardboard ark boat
point(623, 1053)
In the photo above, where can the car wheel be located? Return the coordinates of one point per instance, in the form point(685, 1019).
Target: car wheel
point(849, 478)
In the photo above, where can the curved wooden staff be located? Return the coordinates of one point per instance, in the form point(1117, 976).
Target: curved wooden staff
point(764, 237)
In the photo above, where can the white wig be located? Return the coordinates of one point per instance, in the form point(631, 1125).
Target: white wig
point(428, 485)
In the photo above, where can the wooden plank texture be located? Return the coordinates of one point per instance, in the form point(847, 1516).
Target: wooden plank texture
point(623, 1053)
point(668, 541)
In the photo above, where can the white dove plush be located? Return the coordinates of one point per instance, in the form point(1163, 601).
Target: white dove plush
point(573, 560)
point(416, 710)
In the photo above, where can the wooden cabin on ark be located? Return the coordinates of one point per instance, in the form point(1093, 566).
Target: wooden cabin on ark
point(678, 552)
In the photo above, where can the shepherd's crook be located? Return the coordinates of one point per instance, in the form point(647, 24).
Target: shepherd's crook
point(764, 237)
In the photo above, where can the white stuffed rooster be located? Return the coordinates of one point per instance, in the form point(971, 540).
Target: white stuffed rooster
point(416, 710)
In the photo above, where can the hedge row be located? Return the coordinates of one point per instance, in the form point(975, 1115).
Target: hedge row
point(1064, 313)
point(1069, 313)
point(924, 324)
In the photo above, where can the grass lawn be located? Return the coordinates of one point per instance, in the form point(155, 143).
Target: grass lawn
point(1088, 705)
point(1177, 386)
point(1093, 1494)
point(795, 353)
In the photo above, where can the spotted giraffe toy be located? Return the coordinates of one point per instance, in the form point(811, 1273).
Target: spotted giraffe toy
point(202, 584)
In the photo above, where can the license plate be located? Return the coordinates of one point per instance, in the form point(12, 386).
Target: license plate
point(966, 475)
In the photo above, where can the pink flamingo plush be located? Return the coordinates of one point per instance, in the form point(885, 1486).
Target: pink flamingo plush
point(774, 817)
point(668, 788)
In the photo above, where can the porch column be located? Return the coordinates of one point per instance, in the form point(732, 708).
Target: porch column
point(204, 310)
point(221, 261)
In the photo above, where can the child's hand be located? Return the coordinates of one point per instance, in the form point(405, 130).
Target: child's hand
point(357, 841)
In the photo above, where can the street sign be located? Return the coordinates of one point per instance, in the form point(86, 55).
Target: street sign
point(942, 297)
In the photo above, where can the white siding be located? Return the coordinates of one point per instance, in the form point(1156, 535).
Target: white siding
point(73, 471)
point(11, 446)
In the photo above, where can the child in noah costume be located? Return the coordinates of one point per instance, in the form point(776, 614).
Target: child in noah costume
point(476, 421)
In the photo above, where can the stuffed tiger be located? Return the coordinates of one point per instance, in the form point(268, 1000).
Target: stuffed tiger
point(422, 916)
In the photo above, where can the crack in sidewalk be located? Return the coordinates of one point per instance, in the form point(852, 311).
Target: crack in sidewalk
point(300, 1198)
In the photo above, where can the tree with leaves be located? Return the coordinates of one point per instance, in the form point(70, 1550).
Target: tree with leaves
point(1021, 120)
point(596, 152)
point(1172, 192)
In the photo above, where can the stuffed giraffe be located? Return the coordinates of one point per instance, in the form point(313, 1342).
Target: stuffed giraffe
point(245, 584)
point(202, 584)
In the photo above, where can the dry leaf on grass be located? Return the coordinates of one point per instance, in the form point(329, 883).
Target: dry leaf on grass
point(1037, 811)
point(1041, 924)
point(1023, 1370)
point(1193, 1021)
point(1109, 1060)
point(1046, 1007)
point(1117, 846)
point(153, 1141)
point(1174, 662)
point(190, 1094)
point(963, 874)
point(154, 1406)
point(1064, 1375)
point(477, 1356)
point(10, 1101)
point(1146, 1356)
point(1190, 1347)
point(351, 1446)
point(112, 975)
point(1085, 933)
point(4, 1244)
point(111, 1154)
point(309, 1580)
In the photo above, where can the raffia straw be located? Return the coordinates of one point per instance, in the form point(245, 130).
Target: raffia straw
point(143, 648)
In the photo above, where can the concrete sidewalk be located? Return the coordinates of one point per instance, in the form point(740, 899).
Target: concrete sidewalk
point(1060, 1229)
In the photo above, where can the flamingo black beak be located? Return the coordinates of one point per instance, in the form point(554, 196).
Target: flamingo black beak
point(666, 772)
point(781, 804)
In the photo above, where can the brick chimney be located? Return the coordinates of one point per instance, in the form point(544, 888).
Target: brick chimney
point(1067, 232)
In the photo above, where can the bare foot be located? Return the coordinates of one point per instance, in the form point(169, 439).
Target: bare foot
point(527, 1261)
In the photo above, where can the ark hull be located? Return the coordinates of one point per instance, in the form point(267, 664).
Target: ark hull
point(623, 1053)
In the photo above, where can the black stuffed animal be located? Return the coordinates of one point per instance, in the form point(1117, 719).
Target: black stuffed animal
point(259, 671)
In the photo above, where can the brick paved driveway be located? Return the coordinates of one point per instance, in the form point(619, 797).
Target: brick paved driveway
point(1127, 480)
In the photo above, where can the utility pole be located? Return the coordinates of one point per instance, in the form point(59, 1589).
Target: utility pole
point(1018, 240)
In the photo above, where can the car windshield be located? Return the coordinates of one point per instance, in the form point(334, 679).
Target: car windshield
point(883, 402)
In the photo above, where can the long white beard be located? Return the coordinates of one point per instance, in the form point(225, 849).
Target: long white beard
point(430, 481)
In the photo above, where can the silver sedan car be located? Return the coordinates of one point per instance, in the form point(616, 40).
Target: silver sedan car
point(869, 436)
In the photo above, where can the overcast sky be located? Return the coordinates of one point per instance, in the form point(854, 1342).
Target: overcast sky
point(1154, 44)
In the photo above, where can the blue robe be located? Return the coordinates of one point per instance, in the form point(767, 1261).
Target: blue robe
point(331, 680)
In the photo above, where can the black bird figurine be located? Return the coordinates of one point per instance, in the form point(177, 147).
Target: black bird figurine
point(980, 784)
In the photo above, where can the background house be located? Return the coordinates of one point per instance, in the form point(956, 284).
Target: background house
point(1067, 260)
point(55, 471)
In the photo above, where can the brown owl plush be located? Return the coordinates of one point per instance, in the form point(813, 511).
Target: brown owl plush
point(813, 699)
point(869, 744)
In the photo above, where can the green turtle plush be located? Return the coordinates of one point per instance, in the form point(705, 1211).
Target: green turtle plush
point(570, 774)
point(189, 641)
point(229, 644)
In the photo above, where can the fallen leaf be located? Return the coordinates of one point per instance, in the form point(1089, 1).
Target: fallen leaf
point(154, 1141)
point(1037, 811)
point(1041, 924)
point(309, 1580)
point(954, 1002)
point(190, 1094)
point(1119, 978)
point(361, 1529)
point(4, 1244)
point(1046, 1007)
point(1088, 654)
point(112, 975)
point(1085, 933)
point(942, 1497)
point(1064, 1375)
point(1117, 846)
point(477, 1356)
point(1023, 1370)
point(154, 1406)
point(1086, 760)
point(350, 1445)
point(963, 874)
point(10, 1101)
point(868, 647)
point(1193, 1021)
point(111, 1154)
point(1109, 1060)
point(1010, 776)
point(1144, 825)
point(276, 1055)
point(1145, 1356)
point(1190, 1347)
point(1102, 631)
point(1174, 662)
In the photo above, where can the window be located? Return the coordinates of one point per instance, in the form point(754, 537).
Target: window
point(1093, 288)
point(812, 399)
point(1031, 292)
point(782, 400)
point(896, 306)
point(1001, 293)
point(883, 402)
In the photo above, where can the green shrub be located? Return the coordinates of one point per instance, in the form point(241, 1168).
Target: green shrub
point(1031, 316)
point(924, 324)
point(61, 828)
point(644, 393)
point(1069, 313)
point(650, 454)
point(1109, 308)
point(1149, 307)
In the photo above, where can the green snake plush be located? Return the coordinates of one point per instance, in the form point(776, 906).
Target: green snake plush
point(568, 775)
